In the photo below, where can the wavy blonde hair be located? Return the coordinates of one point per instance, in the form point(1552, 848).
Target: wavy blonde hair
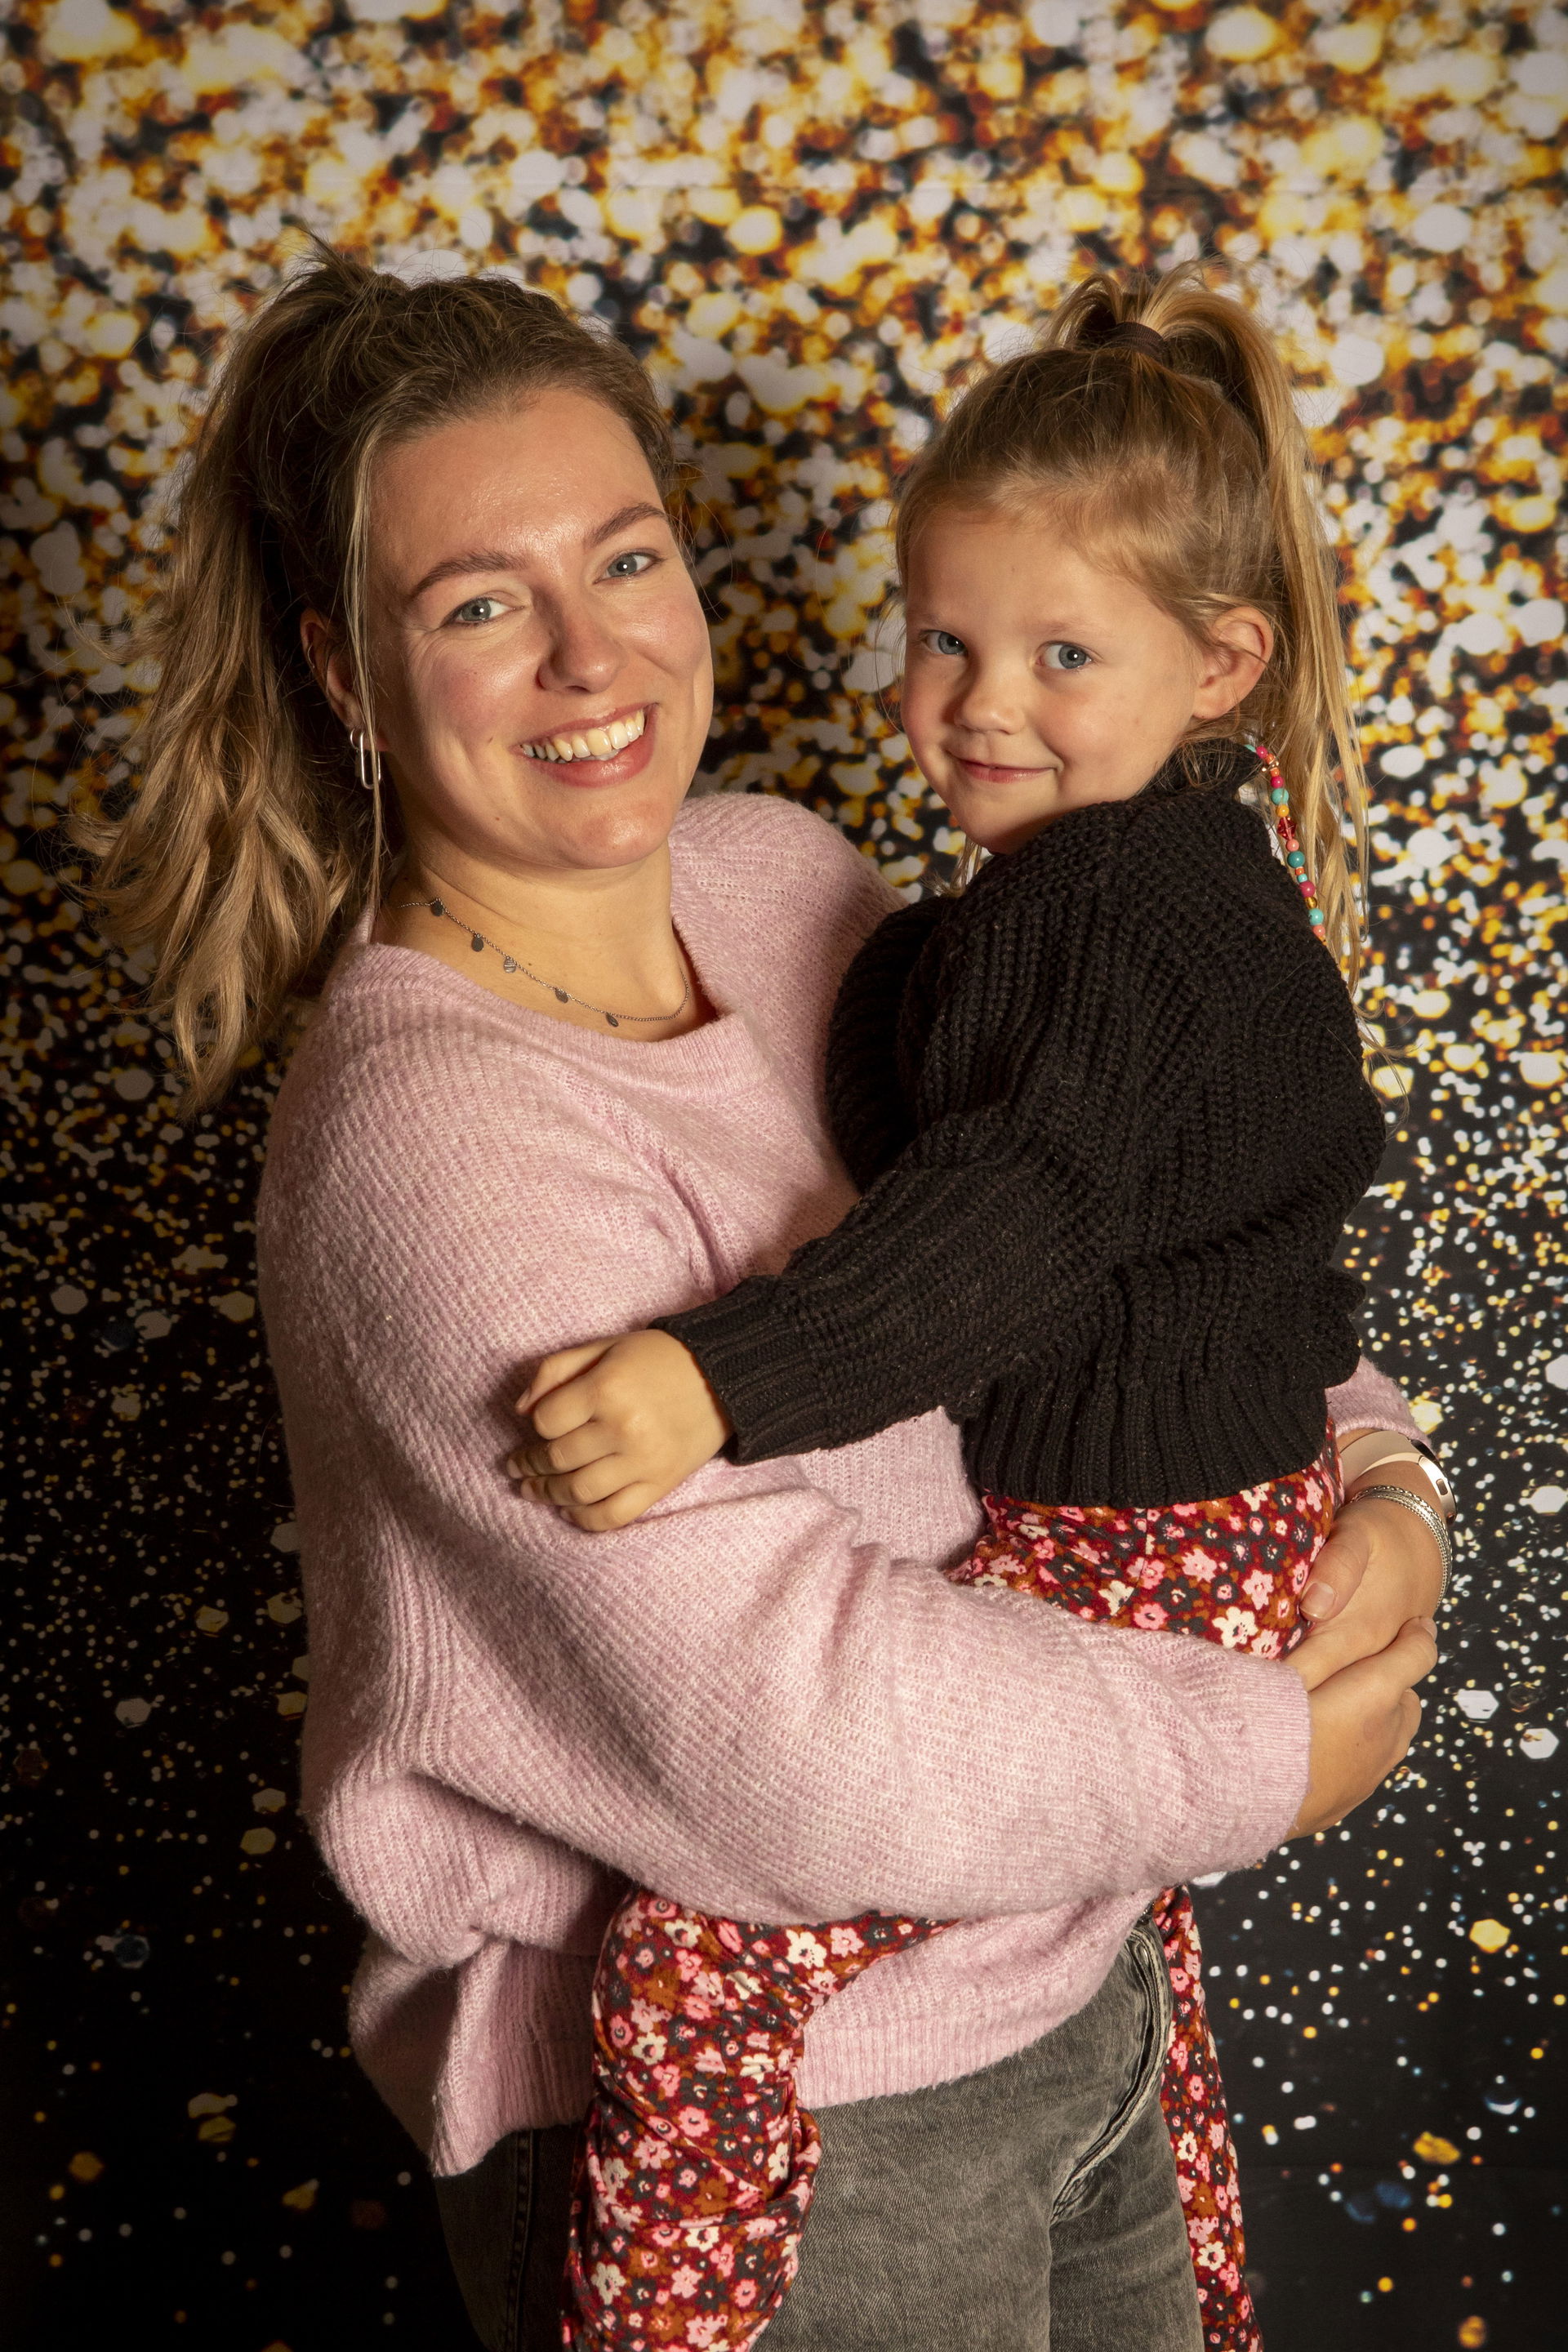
point(1188, 470)
point(246, 847)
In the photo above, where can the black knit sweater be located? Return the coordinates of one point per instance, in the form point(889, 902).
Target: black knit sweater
point(1107, 1111)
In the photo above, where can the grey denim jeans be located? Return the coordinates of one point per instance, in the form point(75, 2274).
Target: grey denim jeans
point(1029, 2208)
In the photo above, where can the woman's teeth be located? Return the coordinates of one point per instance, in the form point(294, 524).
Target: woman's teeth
point(594, 744)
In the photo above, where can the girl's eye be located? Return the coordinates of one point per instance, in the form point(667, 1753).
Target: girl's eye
point(630, 566)
point(943, 642)
point(1065, 657)
point(477, 611)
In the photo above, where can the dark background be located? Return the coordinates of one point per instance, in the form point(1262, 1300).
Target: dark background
point(807, 220)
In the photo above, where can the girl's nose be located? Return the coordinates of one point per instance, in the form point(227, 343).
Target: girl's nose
point(985, 704)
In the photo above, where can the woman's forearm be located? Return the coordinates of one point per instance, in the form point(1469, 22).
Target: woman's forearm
point(737, 1703)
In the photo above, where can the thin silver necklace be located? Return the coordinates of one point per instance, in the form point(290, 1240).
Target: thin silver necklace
point(479, 942)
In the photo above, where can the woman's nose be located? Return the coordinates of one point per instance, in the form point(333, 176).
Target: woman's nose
point(580, 654)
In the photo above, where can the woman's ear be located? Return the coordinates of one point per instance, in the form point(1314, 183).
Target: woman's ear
point(329, 668)
point(1239, 650)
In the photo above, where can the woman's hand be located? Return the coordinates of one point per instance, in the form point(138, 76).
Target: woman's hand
point(617, 1424)
point(1379, 1569)
point(1363, 1720)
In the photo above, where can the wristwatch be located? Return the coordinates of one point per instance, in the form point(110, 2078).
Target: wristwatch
point(1379, 1449)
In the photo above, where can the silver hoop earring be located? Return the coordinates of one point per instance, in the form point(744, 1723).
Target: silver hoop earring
point(369, 768)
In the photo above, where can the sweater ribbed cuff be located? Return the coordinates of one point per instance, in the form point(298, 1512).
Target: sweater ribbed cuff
point(753, 1359)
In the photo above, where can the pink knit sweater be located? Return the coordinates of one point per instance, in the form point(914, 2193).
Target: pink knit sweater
point(764, 1698)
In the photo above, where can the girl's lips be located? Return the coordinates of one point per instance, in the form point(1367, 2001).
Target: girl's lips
point(985, 771)
point(618, 769)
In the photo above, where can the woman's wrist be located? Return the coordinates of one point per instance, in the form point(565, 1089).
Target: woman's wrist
point(1383, 1564)
point(1401, 1486)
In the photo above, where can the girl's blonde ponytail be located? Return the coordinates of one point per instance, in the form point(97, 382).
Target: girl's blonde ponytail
point(1178, 455)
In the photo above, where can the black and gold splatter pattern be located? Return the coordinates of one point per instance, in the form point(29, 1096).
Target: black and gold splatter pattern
point(809, 219)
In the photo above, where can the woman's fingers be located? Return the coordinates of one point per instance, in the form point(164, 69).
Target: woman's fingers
point(562, 1365)
point(1337, 1570)
point(1363, 1720)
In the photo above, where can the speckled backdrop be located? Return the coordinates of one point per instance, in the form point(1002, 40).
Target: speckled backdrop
point(806, 220)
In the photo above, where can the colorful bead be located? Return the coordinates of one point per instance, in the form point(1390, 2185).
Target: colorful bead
point(1289, 841)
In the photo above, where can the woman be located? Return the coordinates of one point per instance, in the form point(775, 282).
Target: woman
point(566, 1077)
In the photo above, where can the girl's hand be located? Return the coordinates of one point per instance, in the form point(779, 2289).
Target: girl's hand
point(1379, 1569)
point(1363, 1720)
point(617, 1424)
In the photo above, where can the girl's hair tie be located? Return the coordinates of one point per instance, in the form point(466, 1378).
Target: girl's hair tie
point(1130, 335)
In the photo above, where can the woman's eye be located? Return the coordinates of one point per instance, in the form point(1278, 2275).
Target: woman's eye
point(1065, 657)
point(630, 566)
point(943, 642)
point(477, 611)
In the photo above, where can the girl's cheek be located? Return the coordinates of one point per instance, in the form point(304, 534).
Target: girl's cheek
point(916, 718)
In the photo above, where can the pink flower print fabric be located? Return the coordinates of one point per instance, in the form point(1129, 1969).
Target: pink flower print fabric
point(697, 2162)
point(1234, 1571)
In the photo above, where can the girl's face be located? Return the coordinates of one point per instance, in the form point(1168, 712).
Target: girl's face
point(544, 682)
point(1036, 681)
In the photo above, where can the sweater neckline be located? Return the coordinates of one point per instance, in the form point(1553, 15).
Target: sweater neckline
point(723, 1053)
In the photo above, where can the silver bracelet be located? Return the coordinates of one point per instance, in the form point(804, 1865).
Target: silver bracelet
point(1428, 1513)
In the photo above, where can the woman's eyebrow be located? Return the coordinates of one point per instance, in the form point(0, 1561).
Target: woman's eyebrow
point(476, 559)
point(495, 559)
point(642, 511)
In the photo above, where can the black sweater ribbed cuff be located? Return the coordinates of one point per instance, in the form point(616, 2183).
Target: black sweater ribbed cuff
point(753, 1358)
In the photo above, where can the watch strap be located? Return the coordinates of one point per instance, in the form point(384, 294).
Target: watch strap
point(1378, 1449)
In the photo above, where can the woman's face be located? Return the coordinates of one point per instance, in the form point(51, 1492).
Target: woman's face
point(544, 682)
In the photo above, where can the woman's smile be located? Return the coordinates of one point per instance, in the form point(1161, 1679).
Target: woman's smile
point(606, 750)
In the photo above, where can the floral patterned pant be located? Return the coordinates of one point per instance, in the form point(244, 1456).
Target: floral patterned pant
point(699, 2163)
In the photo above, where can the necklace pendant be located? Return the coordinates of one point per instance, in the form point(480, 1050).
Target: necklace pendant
point(477, 943)
point(613, 1022)
point(438, 906)
point(509, 963)
point(561, 996)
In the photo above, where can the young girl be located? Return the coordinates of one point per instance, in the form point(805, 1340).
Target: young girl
point(1108, 1113)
